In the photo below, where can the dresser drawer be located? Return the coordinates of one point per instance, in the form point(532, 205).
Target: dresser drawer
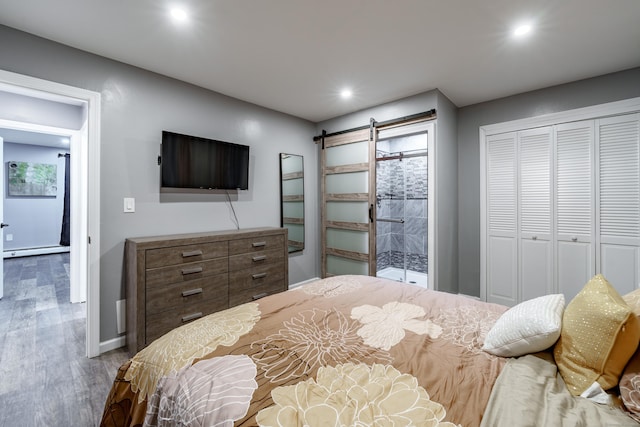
point(241, 246)
point(184, 254)
point(185, 272)
point(160, 323)
point(184, 294)
point(255, 259)
point(254, 294)
point(253, 277)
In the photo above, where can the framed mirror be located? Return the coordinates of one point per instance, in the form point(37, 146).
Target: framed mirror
point(292, 199)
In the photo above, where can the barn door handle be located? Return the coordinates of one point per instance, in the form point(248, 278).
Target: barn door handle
point(371, 213)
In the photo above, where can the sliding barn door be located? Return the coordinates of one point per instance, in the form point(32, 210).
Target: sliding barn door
point(346, 204)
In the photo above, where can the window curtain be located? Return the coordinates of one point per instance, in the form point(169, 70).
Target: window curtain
point(65, 238)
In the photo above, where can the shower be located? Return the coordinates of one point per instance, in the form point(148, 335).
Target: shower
point(401, 209)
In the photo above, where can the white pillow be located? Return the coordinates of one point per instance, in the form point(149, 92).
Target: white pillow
point(529, 327)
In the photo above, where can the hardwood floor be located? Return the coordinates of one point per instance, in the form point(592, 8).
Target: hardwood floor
point(45, 378)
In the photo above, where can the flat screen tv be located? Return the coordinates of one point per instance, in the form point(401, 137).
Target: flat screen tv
point(191, 162)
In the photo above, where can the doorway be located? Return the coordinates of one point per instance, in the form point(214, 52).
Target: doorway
point(401, 208)
point(85, 190)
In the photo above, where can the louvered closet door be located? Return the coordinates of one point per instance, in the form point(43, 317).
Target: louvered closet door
point(536, 247)
point(501, 250)
point(619, 200)
point(346, 219)
point(574, 204)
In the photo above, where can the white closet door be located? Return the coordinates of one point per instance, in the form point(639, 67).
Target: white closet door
point(536, 248)
point(574, 205)
point(502, 268)
point(619, 200)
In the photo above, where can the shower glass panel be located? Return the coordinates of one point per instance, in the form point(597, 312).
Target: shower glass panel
point(401, 209)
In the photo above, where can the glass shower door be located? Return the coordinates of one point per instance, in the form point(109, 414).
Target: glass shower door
point(402, 209)
point(390, 218)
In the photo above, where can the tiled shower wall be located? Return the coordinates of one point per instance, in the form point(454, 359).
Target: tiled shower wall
point(390, 193)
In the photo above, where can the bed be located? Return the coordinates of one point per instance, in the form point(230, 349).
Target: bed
point(346, 350)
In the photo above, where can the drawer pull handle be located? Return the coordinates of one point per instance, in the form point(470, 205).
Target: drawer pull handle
point(258, 244)
point(191, 292)
point(262, 295)
point(259, 258)
point(191, 253)
point(191, 317)
point(259, 275)
point(191, 270)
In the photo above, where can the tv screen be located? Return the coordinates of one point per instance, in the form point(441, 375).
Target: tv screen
point(201, 163)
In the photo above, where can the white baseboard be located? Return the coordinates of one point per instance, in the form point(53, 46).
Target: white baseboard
point(295, 285)
point(113, 344)
point(35, 251)
point(470, 296)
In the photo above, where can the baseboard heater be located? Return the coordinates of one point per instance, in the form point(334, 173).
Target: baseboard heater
point(35, 251)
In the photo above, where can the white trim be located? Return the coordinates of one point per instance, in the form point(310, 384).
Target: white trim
point(616, 108)
point(483, 215)
point(112, 344)
point(432, 217)
point(304, 282)
point(77, 96)
point(16, 253)
point(469, 296)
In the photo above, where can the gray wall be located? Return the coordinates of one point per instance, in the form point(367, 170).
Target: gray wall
point(446, 168)
point(583, 93)
point(136, 106)
point(34, 222)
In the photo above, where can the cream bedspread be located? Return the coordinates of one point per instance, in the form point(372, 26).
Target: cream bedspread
point(531, 393)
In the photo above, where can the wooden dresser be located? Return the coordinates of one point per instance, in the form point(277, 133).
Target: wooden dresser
point(172, 280)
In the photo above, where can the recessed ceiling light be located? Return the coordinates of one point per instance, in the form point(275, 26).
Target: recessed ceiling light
point(522, 30)
point(179, 15)
point(346, 93)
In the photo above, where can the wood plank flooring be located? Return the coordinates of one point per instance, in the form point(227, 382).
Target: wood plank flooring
point(45, 378)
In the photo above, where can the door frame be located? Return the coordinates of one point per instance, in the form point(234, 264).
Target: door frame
point(402, 129)
point(85, 233)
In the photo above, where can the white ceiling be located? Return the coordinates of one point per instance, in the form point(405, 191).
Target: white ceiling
point(295, 56)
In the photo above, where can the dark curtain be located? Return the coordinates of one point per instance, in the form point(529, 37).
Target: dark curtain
point(65, 238)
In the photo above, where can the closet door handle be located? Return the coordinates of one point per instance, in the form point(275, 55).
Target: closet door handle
point(188, 254)
point(534, 237)
point(191, 270)
point(574, 239)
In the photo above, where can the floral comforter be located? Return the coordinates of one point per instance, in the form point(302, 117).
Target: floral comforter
point(346, 350)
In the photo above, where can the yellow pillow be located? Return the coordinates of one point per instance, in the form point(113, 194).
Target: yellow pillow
point(630, 379)
point(599, 335)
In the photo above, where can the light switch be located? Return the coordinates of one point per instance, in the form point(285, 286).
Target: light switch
point(129, 204)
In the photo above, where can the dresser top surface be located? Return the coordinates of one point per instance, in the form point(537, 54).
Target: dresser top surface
point(188, 238)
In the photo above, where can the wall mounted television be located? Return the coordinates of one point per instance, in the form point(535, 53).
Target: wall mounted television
point(191, 162)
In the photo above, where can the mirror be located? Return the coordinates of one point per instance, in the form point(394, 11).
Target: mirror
point(292, 199)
